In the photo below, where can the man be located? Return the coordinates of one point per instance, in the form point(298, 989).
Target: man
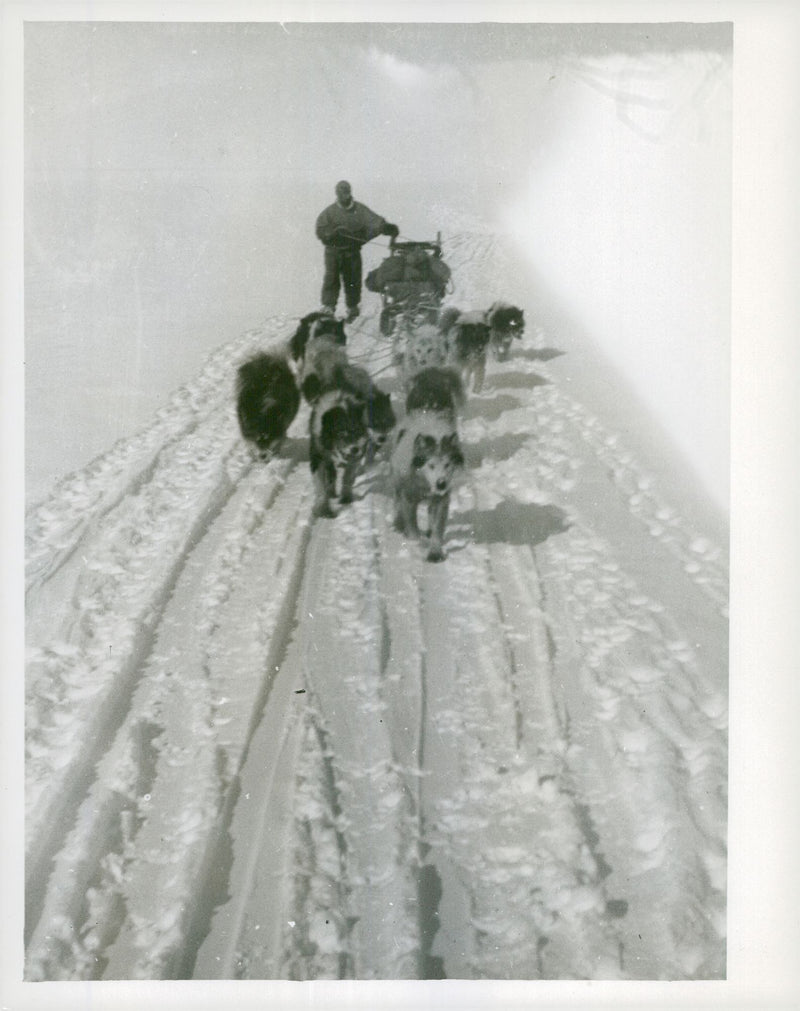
point(343, 228)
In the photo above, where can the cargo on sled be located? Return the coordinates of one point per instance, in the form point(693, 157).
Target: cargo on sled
point(412, 282)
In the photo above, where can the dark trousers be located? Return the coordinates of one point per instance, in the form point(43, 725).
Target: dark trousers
point(342, 266)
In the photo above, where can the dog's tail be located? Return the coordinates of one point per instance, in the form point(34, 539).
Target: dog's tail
point(448, 318)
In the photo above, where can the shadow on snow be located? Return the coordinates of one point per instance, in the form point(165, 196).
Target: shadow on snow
point(509, 523)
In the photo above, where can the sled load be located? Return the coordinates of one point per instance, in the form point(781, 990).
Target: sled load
point(412, 281)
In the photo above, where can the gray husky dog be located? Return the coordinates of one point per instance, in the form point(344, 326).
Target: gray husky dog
point(471, 334)
point(426, 455)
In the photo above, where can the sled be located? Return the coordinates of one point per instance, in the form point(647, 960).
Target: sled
point(412, 281)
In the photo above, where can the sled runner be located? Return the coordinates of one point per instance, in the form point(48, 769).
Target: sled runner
point(412, 282)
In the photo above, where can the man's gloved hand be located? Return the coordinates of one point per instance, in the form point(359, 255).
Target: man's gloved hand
point(391, 230)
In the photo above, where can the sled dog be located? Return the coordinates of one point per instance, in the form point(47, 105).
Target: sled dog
point(327, 367)
point(471, 334)
point(322, 363)
point(312, 326)
point(438, 390)
point(338, 445)
point(267, 400)
point(506, 323)
point(424, 345)
point(468, 336)
point(379, 415)
point(426, 455)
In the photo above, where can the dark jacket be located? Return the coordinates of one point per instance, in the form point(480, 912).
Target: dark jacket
point(348, 227)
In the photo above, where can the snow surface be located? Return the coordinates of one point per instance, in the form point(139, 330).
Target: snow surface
point(261, 746)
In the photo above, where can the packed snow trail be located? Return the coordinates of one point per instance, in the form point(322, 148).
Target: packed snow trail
point(261, 746)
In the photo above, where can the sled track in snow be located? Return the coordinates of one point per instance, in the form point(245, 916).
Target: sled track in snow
point(147, 703)
point(108, 717)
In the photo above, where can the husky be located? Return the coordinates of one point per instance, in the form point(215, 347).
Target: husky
point(438, 390)
point(267, 401)
point(327, 367)
point(322, 363)
point(507, 324)
point(426, 455)
point(468, 336)
point(379, 415)
point(425, 345)
point(312, 326)
point(338, 444)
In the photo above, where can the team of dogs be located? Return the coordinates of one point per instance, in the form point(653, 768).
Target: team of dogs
point(352, 418)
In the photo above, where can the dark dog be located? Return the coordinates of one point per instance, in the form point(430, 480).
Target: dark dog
point(426, 455)
point(379, 417)
point(267, 401)
point(507, 324)
point(338, 445)
point(314, 325)
point(437, 390)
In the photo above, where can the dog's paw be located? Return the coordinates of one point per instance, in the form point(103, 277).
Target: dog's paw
point(436, 555)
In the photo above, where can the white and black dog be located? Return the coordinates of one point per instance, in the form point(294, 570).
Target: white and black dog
point(468, 336)
point(338, 444)
point(326, 367)
point(426, 455)
point(312, 326)
point(471, 334)
point(267, 401)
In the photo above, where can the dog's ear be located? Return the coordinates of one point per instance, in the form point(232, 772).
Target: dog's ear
point(452, 448)
point(424, 446)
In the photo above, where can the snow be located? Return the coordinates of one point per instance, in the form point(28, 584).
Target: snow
point(266, 747)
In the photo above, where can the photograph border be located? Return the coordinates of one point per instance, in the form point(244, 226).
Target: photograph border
point(764, 936)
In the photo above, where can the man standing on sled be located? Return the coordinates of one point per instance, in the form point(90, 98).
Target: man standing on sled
point(343, 228)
